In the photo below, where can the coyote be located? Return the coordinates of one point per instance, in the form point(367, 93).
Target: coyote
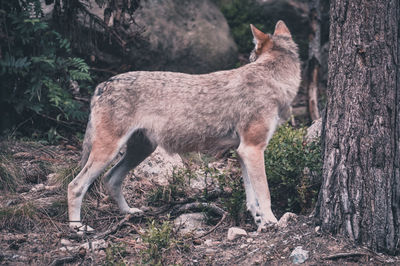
point(234, 109)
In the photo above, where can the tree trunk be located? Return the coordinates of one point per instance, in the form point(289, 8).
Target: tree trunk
point(360, 194)
point(314, 58)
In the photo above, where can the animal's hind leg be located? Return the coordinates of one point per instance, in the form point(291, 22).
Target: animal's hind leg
point(101, 155)
point(138, 148)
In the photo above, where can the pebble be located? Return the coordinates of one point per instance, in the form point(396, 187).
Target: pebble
point(235, 232)
point(299, 255)
point(65, 242)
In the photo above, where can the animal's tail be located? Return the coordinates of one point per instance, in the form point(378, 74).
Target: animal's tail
point(87, 144)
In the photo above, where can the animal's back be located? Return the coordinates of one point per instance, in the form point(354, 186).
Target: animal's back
point(184, 112)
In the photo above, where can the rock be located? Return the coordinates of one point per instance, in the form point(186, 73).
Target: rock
point(188, 36)
point(235, 232)
point(190, 223)
point(94, 245)
point(199, 183)
point(286, 218)
point(38, 187)
point(299, 255)
point(208, 243)
point(314, 131)
point(317, 229)
point(65, 242)
point(159, 166)
point(210, 251)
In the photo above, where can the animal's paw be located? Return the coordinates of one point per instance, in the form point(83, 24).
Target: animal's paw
point(265, 222)
point(80, 228)
point(266, 227)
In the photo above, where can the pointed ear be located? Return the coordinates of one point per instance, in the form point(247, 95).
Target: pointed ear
point(258, 35)
point(281, 29)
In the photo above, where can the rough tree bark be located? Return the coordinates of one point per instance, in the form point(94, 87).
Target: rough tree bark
point(360, 194)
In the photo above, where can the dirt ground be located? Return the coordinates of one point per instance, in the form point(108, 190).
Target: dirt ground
point(34, 230)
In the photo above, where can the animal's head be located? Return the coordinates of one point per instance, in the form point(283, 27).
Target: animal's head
point(281, 40)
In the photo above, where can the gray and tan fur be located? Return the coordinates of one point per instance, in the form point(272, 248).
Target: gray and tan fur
point(238, 109)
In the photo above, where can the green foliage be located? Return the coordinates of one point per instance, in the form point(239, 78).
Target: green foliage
point(231, 182)
point(19, 217)
point(37, 69)
point(175, 189)
point(290, 164)
point(9, 174)
point(240, 14)
point(158, 238)
point(65, 175)
point(115, 254)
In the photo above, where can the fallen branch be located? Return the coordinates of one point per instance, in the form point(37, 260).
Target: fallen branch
point(344, 255)
point(117, 226)
point(104, 70)
point(196, 206)
point(212, 229)
point(62, 261)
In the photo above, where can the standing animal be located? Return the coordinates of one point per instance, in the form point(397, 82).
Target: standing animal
point(233, 109)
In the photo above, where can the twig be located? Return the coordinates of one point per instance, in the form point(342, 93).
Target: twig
point(198, 206)
point(344, 255)
point(116, 227)
point(212, 229)
point(104, 70)
point(82, 99)
point(62, 261)
point(65, 123)
point(97, 20)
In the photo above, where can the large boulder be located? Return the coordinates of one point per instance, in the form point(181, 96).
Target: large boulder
point(190, 36)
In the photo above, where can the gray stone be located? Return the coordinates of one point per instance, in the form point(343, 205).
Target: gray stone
point(190, 223)
point(314, 131)
point(299, 255)
point(187, 36)
point(286, 218)
point(159, 166)
point(184, 35)
point(235, 232)
point(65, 242)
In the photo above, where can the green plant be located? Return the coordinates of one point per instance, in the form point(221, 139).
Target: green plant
point(115, 254)
point(19, 217)
point(235, 203)
point(290, 163)
point(158, 238)
point(37, 71)
point(240, 14)
point(9, 174)
point(65, 175)
point(176, 188)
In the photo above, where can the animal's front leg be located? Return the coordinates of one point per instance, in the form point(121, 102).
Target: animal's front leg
point(252, 160)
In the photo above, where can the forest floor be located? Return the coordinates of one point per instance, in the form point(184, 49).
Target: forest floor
point(34, 229)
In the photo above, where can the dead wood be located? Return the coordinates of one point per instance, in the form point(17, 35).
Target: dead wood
point(344, 255)
point(212, 229)
point(62, 261)
point(197, 206)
